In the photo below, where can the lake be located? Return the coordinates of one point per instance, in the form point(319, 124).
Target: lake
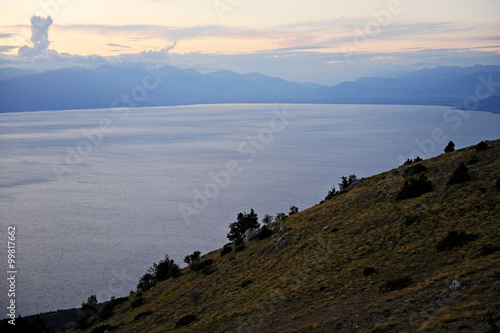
point(97, 196)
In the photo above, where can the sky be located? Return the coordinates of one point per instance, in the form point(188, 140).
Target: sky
point(320, 41)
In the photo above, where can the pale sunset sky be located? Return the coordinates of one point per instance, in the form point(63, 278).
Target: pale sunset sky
point(320, 41)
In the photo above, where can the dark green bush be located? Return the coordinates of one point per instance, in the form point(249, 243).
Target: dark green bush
point(186, 320)
point(264, 232)
point(396, 284)
point(410, 220)
point(161, 271)
point(146, 282)
point(346, 182)
point(498, 184)
point(489, 249)
point(143, 315)
point(137, 301)
point(239, 248)
point(245, 283)
point(197, 267)
point(415, 169)
point(106, 311)
point(410, 161)
point(226, 249)
point(166, 269)
point(243, 222)
point(460, 175)
point(192, 258)
point(450, 147)
point(208, 270)
point(368, 271)
point(331, 193)
point(455, 239)
point(415, 187)
point(482, 146)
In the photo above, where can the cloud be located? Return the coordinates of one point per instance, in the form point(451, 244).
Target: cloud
point(118, 45)
point(5, 48)
point(39, 37)
point(6, 35)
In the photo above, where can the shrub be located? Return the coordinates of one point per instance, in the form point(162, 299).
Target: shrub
point(192, 258)
point(143, 315)
point(410, 220)
point(138, 300)
point(186, 320)
point(267, 219)
point(106, 311)
point(455, 239)
point(146, 282)
point(346, 182)
point(331, 193)
point(489, 249)
point(239, 248)
point(280, 216)
point(91, 304)
point(243, 223)
point(396, 284)
point(460, 175)
point(481, 146)
point(498, 184)
point(368, 271)
point(264, 232)
point(201, 265)
point(226, 249)
point(415, 169)
point(165, 269)
point(293, 210)
point(450, 147)
point(415, 187)
point(208, 270)
point(245, 283)
point(410, 161)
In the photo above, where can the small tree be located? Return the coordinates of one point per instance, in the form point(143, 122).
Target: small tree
point(450, 147)
point(146, 282)
point(243, 223)
point(91, 304)
point(293, 210)
point(280, 216)
point(460, 175)
point(192, 258)
point(267, 219)
point(482, 146)
point(331, 193)
point(347, 181)
point(415, 187)
point(165, 269)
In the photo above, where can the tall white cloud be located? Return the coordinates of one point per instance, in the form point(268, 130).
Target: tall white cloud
point(39, 37)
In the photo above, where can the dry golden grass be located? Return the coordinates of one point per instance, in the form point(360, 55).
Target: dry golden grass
point(309, 276)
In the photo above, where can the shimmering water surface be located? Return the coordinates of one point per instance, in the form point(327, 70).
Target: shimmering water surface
point(97, 196)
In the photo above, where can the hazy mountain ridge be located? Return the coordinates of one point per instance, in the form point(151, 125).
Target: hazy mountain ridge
point(81, 88)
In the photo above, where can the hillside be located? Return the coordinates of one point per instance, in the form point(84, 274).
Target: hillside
point(362, 261)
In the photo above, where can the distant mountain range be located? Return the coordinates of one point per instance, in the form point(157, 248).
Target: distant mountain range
point(110, 86)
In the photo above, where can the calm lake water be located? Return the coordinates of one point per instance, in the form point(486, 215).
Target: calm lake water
point(97, 196)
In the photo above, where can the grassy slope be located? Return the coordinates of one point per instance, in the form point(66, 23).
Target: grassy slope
point(309, 276)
